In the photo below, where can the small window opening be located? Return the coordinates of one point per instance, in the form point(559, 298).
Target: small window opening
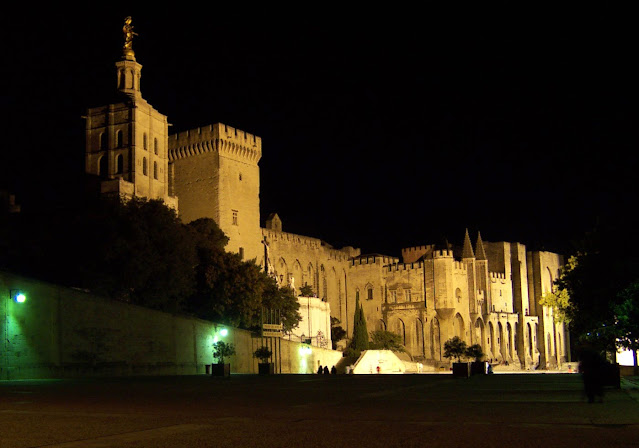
point(119, 163)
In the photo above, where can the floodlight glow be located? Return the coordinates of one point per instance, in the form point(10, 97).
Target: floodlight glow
point(224, 332)
point(18, 296)
point(305, 350)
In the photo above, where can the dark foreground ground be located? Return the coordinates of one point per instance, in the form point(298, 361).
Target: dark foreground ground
point(517, 410)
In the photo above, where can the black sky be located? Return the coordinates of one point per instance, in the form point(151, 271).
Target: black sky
point(381, 129)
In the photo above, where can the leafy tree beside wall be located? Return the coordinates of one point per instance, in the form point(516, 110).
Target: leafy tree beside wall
point(140, 252)
point(386, 340)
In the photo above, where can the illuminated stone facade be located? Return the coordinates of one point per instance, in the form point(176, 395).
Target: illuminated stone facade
point(487, 294)
point(127, 142)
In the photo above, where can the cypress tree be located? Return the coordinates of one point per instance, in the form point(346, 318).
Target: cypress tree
point(360, 331)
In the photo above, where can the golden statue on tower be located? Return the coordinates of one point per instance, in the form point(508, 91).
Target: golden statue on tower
point(127, 29)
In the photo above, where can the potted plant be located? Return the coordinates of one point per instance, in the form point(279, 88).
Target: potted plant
point(477, 367)
point(264, 354)
point(455, 347)
point(222, 350)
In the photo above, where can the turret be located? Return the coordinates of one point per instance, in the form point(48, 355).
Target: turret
point(481, 274)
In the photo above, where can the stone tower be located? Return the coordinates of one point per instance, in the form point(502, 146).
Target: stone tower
point(127, 141)
point(217, 176)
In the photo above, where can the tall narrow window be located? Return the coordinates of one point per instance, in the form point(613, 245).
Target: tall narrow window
point(155, 170)
point(155, 145)
point(144, 141)
point(144, 168)
point(119, 141)
point(234, 218)
point(119, 163)
point(103, 141)
point(102, 167)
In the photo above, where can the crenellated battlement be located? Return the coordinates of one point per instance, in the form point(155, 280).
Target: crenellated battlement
point(494, 276)
point(216, 137)
point(382, 260)
point(443, 254)
point(309, 242)
point(412, 254)
point(459, 266)
point(404, 266)
point(421, 249)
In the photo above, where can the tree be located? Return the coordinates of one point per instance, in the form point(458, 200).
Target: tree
point(282, 299)
point(594, 280)
point(474, 352)
point(306, 291)
point(136, 251)
point(627, 319)
point(337, 332)
point(455, 347)
point(386, 340)
point(359, 342)
point(223, 350)
point(559, 301)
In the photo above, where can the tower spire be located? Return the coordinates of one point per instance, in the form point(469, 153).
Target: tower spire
point(479, 247)
point(467, 251)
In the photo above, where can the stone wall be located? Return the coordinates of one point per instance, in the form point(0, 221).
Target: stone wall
point(64, 332)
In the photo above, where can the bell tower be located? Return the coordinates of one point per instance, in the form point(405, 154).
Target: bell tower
point(127, 141)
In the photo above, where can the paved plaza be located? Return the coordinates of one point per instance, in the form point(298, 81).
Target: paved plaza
point(296, 411)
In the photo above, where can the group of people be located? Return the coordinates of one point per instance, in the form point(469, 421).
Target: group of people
point(324, 370)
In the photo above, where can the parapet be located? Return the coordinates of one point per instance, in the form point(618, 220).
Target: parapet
point(273, 235)
point(374, 259)
point(216, 137)
point(495, 276)
point(404, 266)
point(443, 253)
point(411, 254)
point(459, 266)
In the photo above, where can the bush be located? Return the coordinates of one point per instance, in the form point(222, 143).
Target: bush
point(222, 350)
point(475, 352)
point(455, 347)
point(263, 354)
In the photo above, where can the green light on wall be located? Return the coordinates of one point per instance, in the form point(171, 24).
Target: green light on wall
point(18, 296)
point(224, 332)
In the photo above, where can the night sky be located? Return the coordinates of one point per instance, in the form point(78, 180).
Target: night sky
point(381, 129)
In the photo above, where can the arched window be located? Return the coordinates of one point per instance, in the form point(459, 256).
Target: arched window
point(119, 163)
point(144, 169)
point(144, 141)
point(155, 170)
point(103, 141)
point(119, 142)
point(155, 145)
point(102, 167)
